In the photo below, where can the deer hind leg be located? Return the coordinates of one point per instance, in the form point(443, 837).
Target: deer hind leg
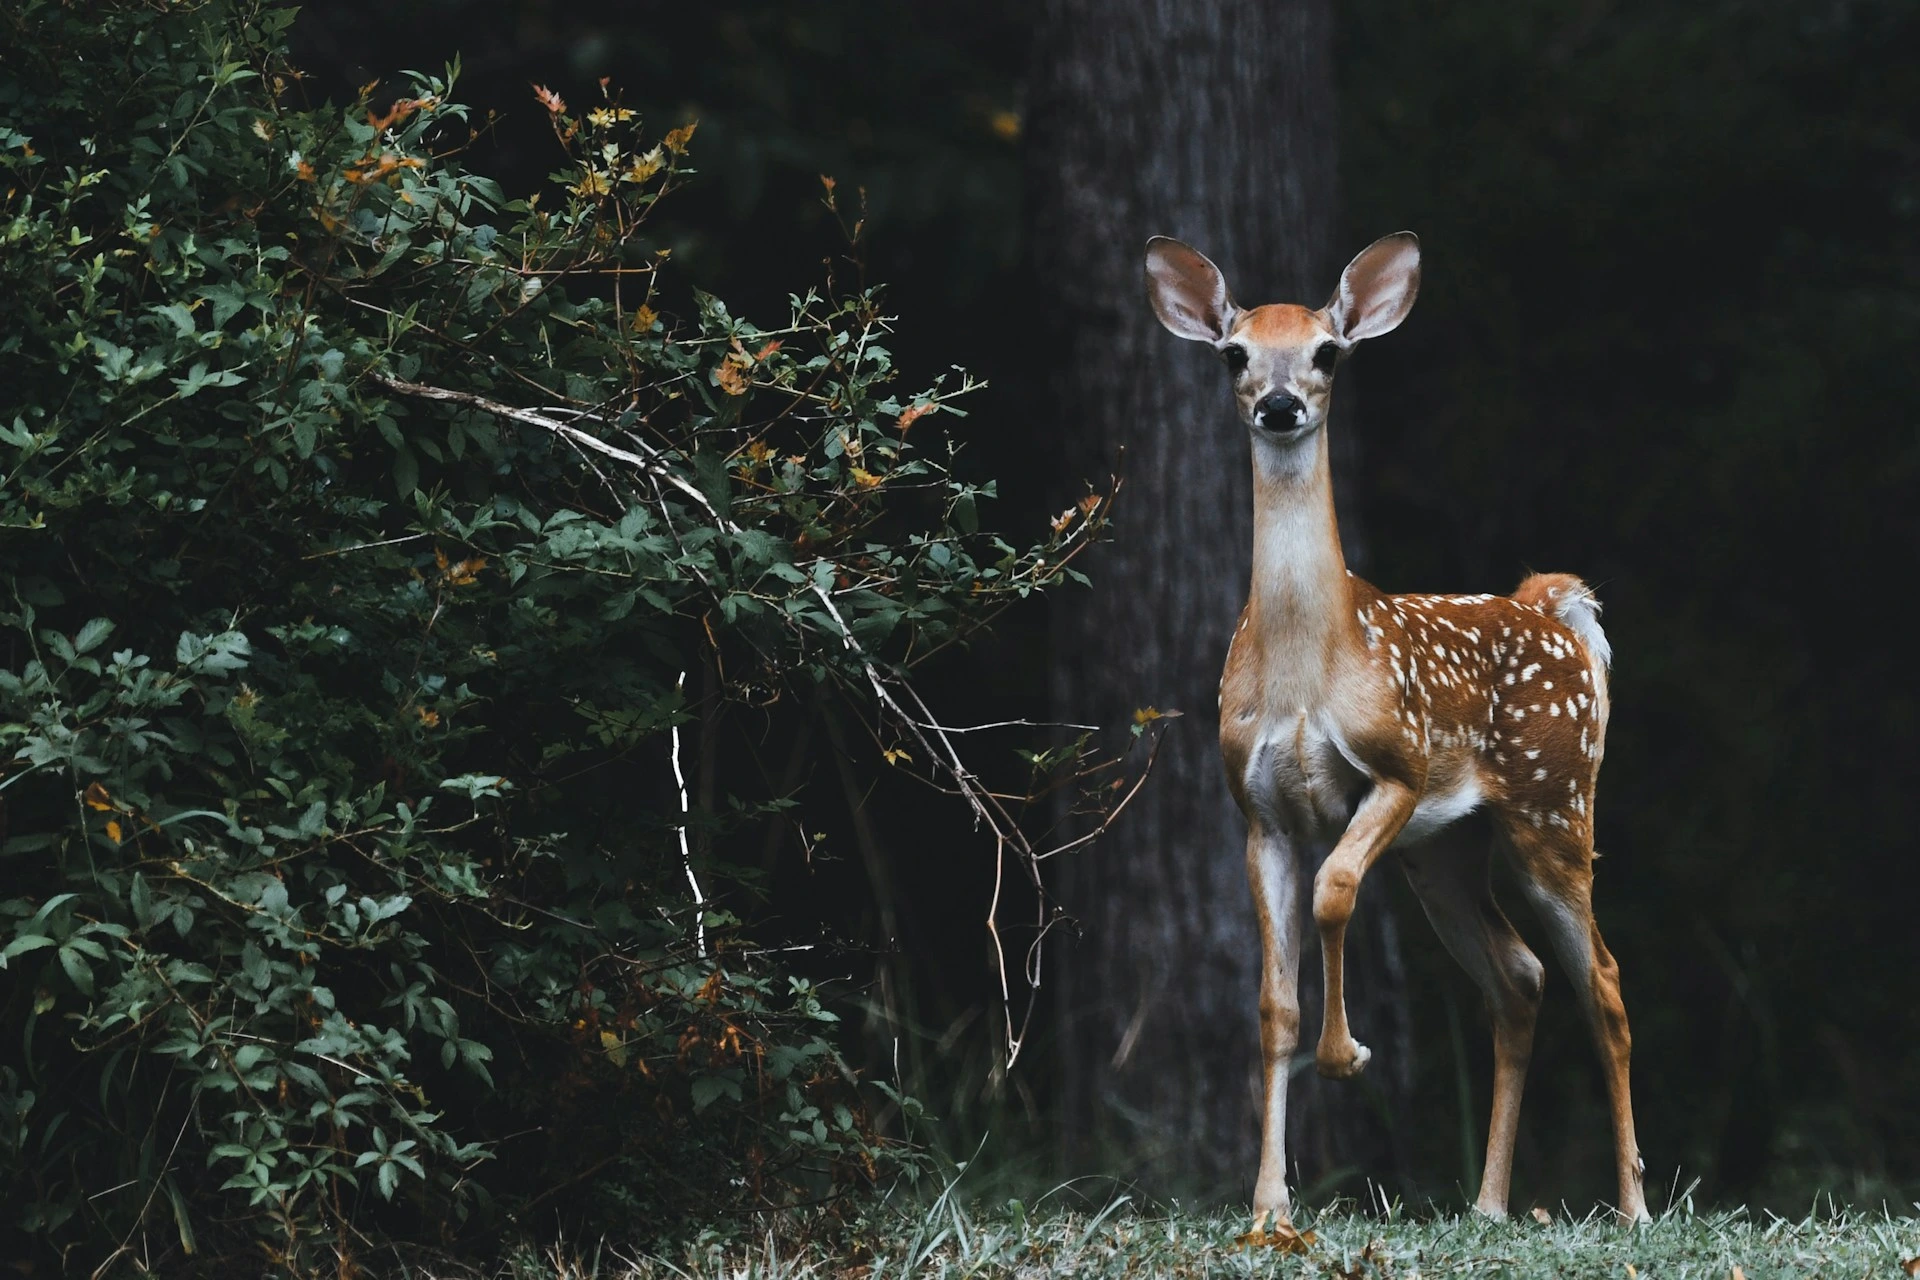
point(1556, 868)
point(1271, 869)
point(1452, 882)
point(1375, 823)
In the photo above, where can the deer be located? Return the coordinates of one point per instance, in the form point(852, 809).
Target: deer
point(1367, 721)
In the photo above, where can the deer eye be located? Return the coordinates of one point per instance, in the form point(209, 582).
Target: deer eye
point(1326, 357)
point(1236, 358)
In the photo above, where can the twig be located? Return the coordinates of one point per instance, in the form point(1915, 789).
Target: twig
point(686, 854)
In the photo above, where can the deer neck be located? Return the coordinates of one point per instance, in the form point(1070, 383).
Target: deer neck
point(1299, 602)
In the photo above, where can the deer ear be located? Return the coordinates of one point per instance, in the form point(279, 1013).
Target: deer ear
point(1188, 292)
point(1377, 288)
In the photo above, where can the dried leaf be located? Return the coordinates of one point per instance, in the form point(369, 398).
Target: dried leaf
point(1541, 1216)
point(1280, 1236)
point(96, 797)
point(547, 98)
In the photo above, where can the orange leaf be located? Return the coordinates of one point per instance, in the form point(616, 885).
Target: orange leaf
point(910, 416)
point(547, 98)
point(97, 798)
point(113, 832)
point(731, 375)
point(643, 319)
point(676, 141)
point(430, 719)
point(767, 350)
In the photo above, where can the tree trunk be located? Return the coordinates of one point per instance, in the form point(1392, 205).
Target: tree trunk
point(1212, 121)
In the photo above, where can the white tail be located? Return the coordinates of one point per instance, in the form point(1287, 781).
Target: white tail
point(1375, 721)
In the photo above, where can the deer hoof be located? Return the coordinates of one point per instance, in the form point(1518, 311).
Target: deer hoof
point(1337, 1062)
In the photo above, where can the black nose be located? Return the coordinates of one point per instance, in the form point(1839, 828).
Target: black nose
point(1278, 412)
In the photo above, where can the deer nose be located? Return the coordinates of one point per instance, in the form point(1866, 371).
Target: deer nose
point(1279, 411)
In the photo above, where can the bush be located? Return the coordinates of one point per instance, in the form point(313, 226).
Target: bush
point(370, 539)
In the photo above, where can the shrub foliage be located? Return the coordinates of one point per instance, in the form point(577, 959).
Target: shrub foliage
point(370, 537)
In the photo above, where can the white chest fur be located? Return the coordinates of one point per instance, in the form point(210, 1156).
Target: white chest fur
point(1298, 777)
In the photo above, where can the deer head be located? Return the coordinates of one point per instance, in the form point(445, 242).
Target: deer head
point(1282, 357)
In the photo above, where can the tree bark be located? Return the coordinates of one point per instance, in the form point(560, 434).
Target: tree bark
point(1212, 121)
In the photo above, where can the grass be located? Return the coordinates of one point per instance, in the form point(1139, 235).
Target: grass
point(1125, 1240)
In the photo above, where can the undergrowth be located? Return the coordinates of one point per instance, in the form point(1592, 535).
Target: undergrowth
point(1124, 1238)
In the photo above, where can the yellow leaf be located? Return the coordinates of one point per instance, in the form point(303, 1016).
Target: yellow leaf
point(894, 756)
point(677, 140)
point(615, 1047)
point(97, 798)
point(1147, 715)
point(602, 117)
point(644, 318)
point(864, 478)
point(113, 832)
point(1005, 125)
point(431, 719)
point(759, 452)
point(263, 130)
point(592, 183)
point(643, 167)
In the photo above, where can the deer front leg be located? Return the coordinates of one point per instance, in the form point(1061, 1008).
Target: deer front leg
point(1375, 823)
point(1272, 871)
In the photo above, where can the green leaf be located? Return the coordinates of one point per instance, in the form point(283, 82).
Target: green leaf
point(92, 634)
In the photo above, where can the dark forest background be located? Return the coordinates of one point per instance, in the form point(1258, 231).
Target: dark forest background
point(1665, 340)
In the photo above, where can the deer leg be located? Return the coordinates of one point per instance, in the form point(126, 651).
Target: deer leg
point(1271, 870)
point(1375, 823)
point(1557, 869)
point(1453, 886)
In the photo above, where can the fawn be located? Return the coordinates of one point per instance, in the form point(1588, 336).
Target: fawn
point(1372, 721)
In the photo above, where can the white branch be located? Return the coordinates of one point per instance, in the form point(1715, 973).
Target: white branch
point(686, 853)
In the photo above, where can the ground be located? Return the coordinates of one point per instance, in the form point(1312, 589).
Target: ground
point(949, 1240)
